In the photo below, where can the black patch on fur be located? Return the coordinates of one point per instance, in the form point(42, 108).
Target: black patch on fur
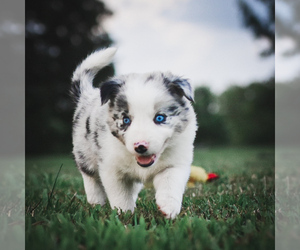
point(178, 87)
point(174, 111)
point(82, 165)
point(87, 126)
point(121, 103)
point(109, 90)
point(81, 156)
point(115, 134)
point(76, 120)
point(96, 139)
point(75, 91)
point(84, 168)
point(179, 127)
point(115, 117)
point(172, 108)
point(150, 78)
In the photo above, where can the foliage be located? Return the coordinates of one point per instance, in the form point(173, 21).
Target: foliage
point(239, 116)
point(235, 212)
point(211, 128)
point(288, 27)
point(249, 113)
point(59, 34)
point(261, 26)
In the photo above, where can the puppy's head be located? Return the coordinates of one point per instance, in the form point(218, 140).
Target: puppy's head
point(146, 111)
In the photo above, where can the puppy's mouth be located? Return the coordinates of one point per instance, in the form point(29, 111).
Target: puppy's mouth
point(145, 161)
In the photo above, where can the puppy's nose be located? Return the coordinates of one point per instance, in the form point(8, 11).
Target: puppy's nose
point(141, 147)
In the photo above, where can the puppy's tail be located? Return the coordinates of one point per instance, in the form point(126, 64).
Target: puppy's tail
point(82, 80)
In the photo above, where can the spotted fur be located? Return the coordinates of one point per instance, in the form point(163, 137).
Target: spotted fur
point(111, 122)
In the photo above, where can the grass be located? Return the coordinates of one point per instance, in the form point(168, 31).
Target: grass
point(235, 212)
point(12, 199)
point(287, 207)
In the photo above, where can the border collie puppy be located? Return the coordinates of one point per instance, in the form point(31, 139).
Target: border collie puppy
point(135, 128)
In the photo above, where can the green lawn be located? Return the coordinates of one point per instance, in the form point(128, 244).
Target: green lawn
point(237, 211)
point(12, 199)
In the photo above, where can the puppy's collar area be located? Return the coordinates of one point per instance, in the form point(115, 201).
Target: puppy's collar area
point(145, 161)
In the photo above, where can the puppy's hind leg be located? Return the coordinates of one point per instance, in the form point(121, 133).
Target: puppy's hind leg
point(92, 183)
point(94, 189)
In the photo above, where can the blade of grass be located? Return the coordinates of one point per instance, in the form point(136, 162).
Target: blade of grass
point(51, 194)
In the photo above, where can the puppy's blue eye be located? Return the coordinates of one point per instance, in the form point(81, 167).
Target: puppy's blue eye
point(159, 119)
point(126, 120)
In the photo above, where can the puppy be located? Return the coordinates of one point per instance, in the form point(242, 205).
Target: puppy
point(137, 128)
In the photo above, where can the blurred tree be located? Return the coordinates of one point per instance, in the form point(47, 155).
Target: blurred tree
point(259, 17)
point(59, 34)
point(288, 27)
point(249, 113)
point(211, 129)
point(287, 93)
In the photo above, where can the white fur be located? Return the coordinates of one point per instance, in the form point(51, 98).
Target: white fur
point(94, 62)
point(118, 176)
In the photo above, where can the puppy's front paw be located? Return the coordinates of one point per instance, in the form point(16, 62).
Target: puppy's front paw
point(96, 199)
point(95, 196)
point(169, 207)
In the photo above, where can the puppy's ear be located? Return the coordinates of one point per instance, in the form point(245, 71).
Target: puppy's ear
point(179, 86)
point(109, 90)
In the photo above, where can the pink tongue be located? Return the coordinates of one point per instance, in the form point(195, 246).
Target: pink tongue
point(144, 160)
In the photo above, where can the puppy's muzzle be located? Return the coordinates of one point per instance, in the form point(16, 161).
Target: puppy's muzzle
point(141, 147)
point(143, 159)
